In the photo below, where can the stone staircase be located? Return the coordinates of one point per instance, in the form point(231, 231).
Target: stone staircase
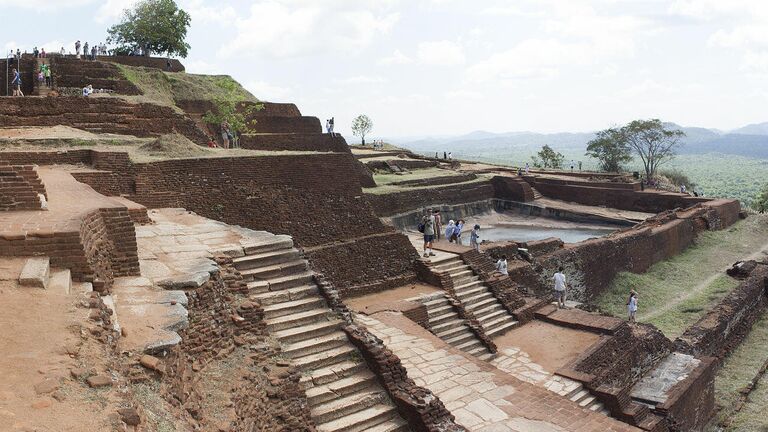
point(536, 194)
point(343, 394)
point(476, 296)
point(16, 191)
point(41, 88)
point(38, 273)
point(577, 393)
point(448, 326)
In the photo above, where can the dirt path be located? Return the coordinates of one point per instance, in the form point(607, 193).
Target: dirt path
point(698, 288)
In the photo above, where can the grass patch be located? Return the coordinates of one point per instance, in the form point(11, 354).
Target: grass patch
point(737, 370)
point(386, 178)
point(675, 293)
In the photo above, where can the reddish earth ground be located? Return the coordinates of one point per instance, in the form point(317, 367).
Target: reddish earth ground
point(378, 302)
point(548, 345)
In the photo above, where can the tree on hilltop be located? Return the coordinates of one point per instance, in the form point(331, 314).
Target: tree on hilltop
point(652, 142)
point(362, 126)
point(155, 26)
point(610, 148)
point(761, 201)
point(548, 158)
point(231, 107)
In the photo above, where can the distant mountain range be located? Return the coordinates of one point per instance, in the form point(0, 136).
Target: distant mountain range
point(750, 141)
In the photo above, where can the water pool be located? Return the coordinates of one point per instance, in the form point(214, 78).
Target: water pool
point(523, 233)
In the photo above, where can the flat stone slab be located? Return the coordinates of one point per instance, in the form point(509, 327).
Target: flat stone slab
point(163, 341)
point(35, 272)
point(186, 281)
point(655, 385)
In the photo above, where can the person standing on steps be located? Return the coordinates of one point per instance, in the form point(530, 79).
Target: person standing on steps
point(474, 238)
point(16, 83)
point(438, 223)
point(62, 52)
point(501, 266)
point(428, 221)
point(559, 279)
point(579, 166)
point(47, 74)
point(632, 305)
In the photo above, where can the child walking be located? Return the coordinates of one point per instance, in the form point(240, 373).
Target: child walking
point(632, 305)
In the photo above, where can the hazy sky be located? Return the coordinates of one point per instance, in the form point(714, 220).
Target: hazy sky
point(421, 67)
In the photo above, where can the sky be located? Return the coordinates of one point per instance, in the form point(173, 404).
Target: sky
point(448, 67)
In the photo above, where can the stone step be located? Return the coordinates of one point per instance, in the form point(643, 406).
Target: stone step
point(439, 310)
point(486, 309)
point(341, 387)
point(467, 286)
point(492, 315)
point(331, 373)
point(446, 326)
point(325, 358)
point(35, 272)
point(486, 356)
point(394, 424)
point(469, 345)
point(461, 337)
point(286, 295)
point(346, 405)
point(463, 280)
point(500, 330)
point(442, 261)
point(454, 268)
point(584, 403)
point(280, 283)
point(266, 259)
point(478, 351)
point(60, 282)
point(436, 302)
point(580, 395)
point(471, 291)
point(315, 345)
point(308, 331)
point(292, 307)
point(482, 298)
point(445, 317)
point(299, 319)
point(275, 271)
point(492, 324)
point(360, 421)
point(461, 274)
point(278, 242)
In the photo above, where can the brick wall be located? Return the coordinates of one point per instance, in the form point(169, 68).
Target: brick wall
point(19, 186)
point(150, 62)
point(512, 189)
point(402, 202)
point(690, 403)
point(28, 76)
point(441, 180)
point(295, 141)
point(281, 124)
point(78, 73)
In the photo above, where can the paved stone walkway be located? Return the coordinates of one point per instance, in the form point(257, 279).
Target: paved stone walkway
point(480, 396)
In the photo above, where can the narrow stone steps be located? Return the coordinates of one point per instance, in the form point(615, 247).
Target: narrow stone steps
point(439, 310)
point(280, 283)
point(308, 331)
point(278, 242)
point(469, 345)
point(485, 310)
point(488, 317)
point(345, 405)
point(467, 286)
point(469, 292)
point(315, 345)
point(340, 387)
point(296, 320)
point(331, 373)
point(285, 295)
point(483, 298)
point(461, 274)
point(492, 324)
point(446, 326)
point(275, 270)
point(265, 259)
point(454, 268)
point(395, 424)
point(360, 421)
point(500, 330)
point(324, 358)
point(459, 338)
point(478, 351)
point(435, 303)
point(448, 315)
point(291, 307)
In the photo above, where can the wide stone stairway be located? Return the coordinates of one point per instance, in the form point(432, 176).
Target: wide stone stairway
point(344, 395)
point(448, 326)
point(476, 296)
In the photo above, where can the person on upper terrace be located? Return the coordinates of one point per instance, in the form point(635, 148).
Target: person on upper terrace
point(86, 50)
point(682, 189)
point(501, 266)
point(331, 122)
point(527, 168)
point(87, 90)
point(47, 75)
point(560, 285)
point(62, 52)
point(77, 49)
point(225, 134)
point(474, 238)
point(36, 52)
point(42, 53)
point(16, 83)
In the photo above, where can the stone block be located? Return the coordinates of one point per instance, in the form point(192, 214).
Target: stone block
point(35, 272)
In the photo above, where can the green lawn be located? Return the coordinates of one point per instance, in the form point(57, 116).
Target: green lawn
point(417, 174)
point(673, 294)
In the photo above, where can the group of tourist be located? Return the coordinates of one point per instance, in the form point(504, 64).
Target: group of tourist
point(446, 155)
point(98, 49)
point(44, 74)
point(431, 226)
point(329, 126)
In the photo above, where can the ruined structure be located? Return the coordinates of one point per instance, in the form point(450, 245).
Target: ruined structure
point(270, 291)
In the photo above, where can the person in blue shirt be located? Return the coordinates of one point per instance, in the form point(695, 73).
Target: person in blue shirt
point(16, 83)
point(474, 238)
point(457, 230)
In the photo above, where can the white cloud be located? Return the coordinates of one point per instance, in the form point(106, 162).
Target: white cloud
point(112, 10)
point(441, 53)
point(532, 58)
point(363, 79)
point(397, 58)
point(295, 28)
point(463, 94)
point(45, 6)
point(268, 92)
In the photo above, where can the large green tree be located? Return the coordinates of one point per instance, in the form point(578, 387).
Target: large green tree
point(232, 106)
point(761, 200)
point(155, 26)
point(362, 126)
point(653, 142)
point(547, 157)
point(610, 148)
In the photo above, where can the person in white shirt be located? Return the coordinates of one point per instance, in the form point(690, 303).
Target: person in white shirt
point(559, 279)
point(632, 305)
point(501, 266)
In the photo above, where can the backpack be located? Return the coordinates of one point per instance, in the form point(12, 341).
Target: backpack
point(421, 227)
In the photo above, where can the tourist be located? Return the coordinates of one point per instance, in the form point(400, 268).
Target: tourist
point(93, 53)
point(36, 52)
point(87, 90)
point(211, 142)
point(328, 126)
point(445, 155)
point(457, 231)
point(436, 155)
point(42, 52)
point(579, 165)
point(632, 305)
point(168, 63)
point(559, 279)
point(47, 74)
point(428, 222)
point(572, 165)
point(225, 134)
point(16, 83)
point(62, 52)
point(77, 49)
point(527, 169)
point(331, 124)
point(438, 223)
point(86, 50)
point(449, 230)
point(501, 266)
point(474, 238)
point(450, 156)
point(682, 188)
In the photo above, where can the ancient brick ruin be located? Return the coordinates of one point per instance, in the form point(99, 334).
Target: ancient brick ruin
point(275, 291)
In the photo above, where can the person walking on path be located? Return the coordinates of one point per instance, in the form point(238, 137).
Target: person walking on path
point(632, 305)
point(449, 230)
point(428, 221)
point(438, 223)
point(501, 266)
point(474, 238)
point(559, 279)
point(16, 83)
point(445, 155)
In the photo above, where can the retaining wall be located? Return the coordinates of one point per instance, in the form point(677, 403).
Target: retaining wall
point(295, 142)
